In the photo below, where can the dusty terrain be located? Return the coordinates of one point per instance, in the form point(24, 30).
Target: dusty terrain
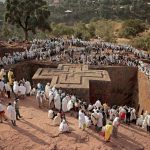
point(36, 132)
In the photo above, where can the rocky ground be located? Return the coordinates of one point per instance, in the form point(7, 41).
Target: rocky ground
point(36, 132)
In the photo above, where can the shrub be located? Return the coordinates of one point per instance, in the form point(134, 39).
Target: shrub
point(81, 31)
point(142, 42)
point(61, 29)
point(131, 28)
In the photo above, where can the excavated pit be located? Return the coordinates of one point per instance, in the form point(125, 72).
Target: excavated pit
point(128, 86)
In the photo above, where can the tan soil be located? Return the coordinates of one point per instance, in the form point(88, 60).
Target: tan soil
point(36, 132)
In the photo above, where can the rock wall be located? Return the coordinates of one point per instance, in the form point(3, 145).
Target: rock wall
point(100, 90)
point(123, 85)
point(144, 93)
point(27, 69)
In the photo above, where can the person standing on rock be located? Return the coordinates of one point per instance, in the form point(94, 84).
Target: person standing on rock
point(2, 113)
point(147, 119)
point(8, 89)
point(115, 127)
point(16, 105)
point(128, 115)
point(28, 87)
point(82, 123)
point(64, 127)
point(47, 89)
point(57, 120)
point(99, 121)
point(15, 88)
point(108, 131)
point(11, 77)
point(12, 113)
point(2, 85)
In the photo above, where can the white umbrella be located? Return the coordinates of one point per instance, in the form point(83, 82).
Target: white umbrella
point(68, 11)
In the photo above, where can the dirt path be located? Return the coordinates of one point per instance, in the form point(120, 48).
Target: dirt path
point(36, 132)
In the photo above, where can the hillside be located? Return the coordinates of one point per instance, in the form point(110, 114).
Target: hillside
point(91, 19)
point(2, 11)
point(85, 10)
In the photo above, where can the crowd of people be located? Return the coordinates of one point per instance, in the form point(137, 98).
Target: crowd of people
point(78, 51)
point(11, 88)
point(105, 119)
point(8, 84)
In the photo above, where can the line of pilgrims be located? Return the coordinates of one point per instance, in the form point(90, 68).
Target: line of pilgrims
point(59, 49)
point(105, 119)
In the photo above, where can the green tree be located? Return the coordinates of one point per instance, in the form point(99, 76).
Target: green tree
point(28, 15)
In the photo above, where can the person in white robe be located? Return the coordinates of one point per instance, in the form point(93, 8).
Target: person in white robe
point(64, 127)
point(64, 104)
point(2, 73)
point(94, 118)
point(99, 121)
point(11, 113)
point(145, 114)
point(2, 85)
point(28, 87)
point(147, 119)
point(70, 105)
point(144, 124)
point(33, 92)
point(47, 89)
point(22, 90)
point(98, 104)
point(82, 123)
point(8, 89)
point(54, 88)
point(140, 120)
point(116, 124)
point(73, 98)
point(68, 97)
point(51, 114)
point(51, 98)
point(133, 115)
point(57, 120)
point(15, 88)
point(60, 91)
point(57, 101)
point(87, 121)
point(38, 99)
point(90, 107)
point(63, 94)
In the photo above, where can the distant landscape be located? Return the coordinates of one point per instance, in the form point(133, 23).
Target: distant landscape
point(123, 21)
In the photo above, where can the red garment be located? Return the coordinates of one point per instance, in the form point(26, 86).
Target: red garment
point(102, 134)
point(122, 115)
point(2, 112)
